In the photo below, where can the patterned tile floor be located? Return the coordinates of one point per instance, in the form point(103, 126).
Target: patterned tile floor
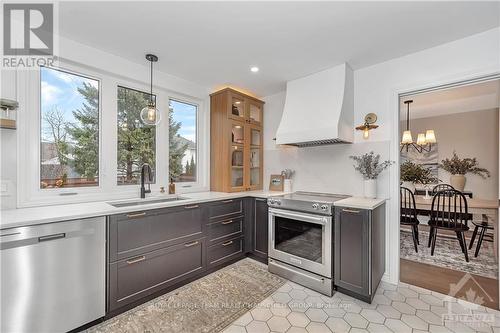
point(395, 309)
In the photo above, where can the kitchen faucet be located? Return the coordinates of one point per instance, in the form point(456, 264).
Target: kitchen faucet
point(146, 172)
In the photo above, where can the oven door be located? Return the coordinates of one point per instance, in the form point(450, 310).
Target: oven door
point(301, 239)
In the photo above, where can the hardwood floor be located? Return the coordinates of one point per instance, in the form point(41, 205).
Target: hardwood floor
point(439, 279)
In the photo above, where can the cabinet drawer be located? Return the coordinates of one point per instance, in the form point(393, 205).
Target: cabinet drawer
point(225, 251)
point(221, 209)
point(225, 228)
point(139, 232)
point(139, 276)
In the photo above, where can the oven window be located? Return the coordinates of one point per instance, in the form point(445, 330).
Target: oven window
point(299, 238)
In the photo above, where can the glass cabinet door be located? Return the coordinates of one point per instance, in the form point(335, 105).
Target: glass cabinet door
point(255, 112)
point(255, 158)
point(237, 111)
point(237, 155)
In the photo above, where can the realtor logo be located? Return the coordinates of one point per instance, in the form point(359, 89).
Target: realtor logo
point(467, 309)
point(28, 29)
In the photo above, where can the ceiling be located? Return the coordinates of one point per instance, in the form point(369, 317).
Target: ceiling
point(215, 43)
point(467, 98)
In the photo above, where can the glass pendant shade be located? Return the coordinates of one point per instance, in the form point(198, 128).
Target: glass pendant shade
point(421, 139)
point(150, 115)
point(407, 138)
point(430, 137)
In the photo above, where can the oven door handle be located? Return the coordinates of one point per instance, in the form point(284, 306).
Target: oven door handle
point(303, 217)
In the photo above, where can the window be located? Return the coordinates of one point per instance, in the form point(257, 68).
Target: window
point(69, 130)
point(136, 141)
point(182, 141)
point(89, 142)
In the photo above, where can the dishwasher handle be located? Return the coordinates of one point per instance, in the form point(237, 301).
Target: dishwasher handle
point(51, 237)
point(31, 236)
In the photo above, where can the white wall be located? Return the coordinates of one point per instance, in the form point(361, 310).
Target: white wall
point(72, 52)
point(377, 89)
point(470, 134)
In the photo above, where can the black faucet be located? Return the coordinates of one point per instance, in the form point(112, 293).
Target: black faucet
point(146, 172)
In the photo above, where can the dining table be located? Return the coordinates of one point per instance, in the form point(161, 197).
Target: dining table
point(480, 209)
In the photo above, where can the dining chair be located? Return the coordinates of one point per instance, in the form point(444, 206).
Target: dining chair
point(441, 187)
point(449, 212)
point(408, 214)
point(483, 225)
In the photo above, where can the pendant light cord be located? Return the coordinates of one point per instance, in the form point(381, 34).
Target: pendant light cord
point(151, 83)
point(408, 117)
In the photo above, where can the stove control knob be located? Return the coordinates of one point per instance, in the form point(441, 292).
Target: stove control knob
point(315, 206)
point(324, 207)
point(270, 201)
point(278, 202)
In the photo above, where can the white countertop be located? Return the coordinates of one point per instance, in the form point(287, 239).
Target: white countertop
point(359, 202)
point(12, 218)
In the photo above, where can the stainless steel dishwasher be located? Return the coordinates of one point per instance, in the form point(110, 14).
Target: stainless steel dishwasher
point(52, 276)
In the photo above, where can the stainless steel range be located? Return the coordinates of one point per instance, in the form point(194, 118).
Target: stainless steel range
point(301, 238)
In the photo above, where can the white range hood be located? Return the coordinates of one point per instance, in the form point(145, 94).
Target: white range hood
point(319, 109)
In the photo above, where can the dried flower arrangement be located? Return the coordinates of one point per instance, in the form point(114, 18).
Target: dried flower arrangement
point(459, 166)
point(416, 173)
point(369, 165)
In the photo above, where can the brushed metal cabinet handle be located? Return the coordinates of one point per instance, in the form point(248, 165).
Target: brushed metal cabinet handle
point(227, 222)
point(191, 207)
point(227, 201)
point(191, 244)
point(136, 260)
point(227, 243)
point(130, 216)
point(51, 237)
point(350, 211)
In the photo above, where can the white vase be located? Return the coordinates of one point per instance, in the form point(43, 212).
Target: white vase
point(370, 188)
point(409, 185)
point(458, 182)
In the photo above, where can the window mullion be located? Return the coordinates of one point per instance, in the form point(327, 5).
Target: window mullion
point(109, 135)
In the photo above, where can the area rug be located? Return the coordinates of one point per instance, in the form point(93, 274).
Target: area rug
point(449, 255)
point(205, 305)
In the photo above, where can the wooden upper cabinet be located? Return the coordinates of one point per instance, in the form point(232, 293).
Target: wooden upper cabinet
point(237, 111)
point(236, 154)
point(255, 112)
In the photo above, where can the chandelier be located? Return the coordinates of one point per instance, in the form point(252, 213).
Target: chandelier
point(424, 141)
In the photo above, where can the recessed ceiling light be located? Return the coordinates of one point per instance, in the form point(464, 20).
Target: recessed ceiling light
point(254, 69)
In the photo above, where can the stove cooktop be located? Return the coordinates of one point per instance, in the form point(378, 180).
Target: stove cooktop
point(320, 203)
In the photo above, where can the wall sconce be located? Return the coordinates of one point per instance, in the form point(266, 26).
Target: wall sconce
point(369, 124)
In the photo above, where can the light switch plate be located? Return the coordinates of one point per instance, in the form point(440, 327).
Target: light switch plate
point(6, 187)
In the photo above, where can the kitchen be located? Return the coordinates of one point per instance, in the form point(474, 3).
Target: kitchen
point(226, 209)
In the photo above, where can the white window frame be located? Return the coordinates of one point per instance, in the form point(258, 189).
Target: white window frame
point(192, 186)
point(28, 143)
point(39, 124)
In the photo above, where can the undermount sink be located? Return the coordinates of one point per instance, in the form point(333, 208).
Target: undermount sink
point(144, 202)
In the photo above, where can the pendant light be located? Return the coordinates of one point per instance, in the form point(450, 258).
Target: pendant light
point(150, 115)
point(424, 141)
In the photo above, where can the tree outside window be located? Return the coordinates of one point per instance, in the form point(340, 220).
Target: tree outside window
point(136, 141)
point(182, 141)
point(69, 147)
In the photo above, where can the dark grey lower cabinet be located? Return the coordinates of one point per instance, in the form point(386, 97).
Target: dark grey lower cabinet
point(226, 251)
point(134, 278)
point(359, 244)
point(152, 250)
point(260, 228)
